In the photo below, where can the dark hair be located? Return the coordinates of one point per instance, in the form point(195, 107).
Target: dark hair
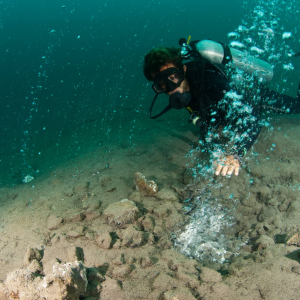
point(159, 57)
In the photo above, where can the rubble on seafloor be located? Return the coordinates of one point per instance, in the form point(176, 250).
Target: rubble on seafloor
point(124, 250)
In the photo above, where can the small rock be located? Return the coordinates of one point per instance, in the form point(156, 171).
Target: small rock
point(284, 205)
point(31, 254)
point(165, 282)
point(247, 248)
point(76, 232)
point(67, 281)
point(158, 230)
point(90, 235)
point(54, 222)
point(179, 188)
point(264, 194)
point(148, 223)
point(148, 188)
point(152, 274)
point(55, 240)
point(130, 260)
point(190, 280)
point(91, 215)
point(121, 272)
point(121, 213)
point(69, 191)
point(222, 291)
point(146, 262)
point(164, 243)
point(104, 240)
point(78, 217)
point(58, 239)
point(263, 242)
point(249, 201)
point(174, 220)
point(167, 195)
point(118, 261)
point(19, 282)
point(105, 181)
point(133, 238)
point(209, 275)
point(111, 289)
point(151, 239)
point(92, 204)
point(269, 214)
point(294, 208)
point(273, 202)
point(48, 265)
point(35, 267)
point(160, 212)
point(173, 265)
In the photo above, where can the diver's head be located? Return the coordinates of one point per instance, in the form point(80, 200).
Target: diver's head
point(159, 57)
point(163, 66)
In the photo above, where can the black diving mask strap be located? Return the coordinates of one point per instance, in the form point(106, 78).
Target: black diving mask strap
point(166, 109)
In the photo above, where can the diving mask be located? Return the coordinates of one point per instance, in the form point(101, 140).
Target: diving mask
point(168, 80)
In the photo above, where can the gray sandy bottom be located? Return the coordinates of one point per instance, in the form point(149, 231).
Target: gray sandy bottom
point(64, 216)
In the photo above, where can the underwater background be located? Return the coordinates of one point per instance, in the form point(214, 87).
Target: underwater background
point(75, 136)
point(71, 72)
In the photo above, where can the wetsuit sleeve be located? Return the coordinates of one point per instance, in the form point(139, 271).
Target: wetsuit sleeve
point(232, 124)
point(239, 127)
point(245, 122)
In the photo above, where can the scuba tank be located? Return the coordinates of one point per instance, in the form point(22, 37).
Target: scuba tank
point(221, 54)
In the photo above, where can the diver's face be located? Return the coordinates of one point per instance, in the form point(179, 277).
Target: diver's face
point(184, 86)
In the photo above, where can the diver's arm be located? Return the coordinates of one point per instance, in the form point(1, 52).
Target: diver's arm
point(272, 101)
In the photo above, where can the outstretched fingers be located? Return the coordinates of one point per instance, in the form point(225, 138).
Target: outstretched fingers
point(227, 166)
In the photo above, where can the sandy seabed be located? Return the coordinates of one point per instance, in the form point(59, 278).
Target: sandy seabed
point(60, 241)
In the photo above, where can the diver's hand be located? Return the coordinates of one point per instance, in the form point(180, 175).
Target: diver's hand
point(227, 165)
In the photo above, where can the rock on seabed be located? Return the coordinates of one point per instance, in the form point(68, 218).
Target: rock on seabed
point(121, 213)
point(148, 188)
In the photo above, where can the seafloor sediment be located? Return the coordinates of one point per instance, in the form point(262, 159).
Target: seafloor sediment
point(61, 239)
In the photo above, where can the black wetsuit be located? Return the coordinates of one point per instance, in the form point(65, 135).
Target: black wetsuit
point(209, 84)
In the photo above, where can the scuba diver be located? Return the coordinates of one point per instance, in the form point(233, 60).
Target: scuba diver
point(194, 78)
